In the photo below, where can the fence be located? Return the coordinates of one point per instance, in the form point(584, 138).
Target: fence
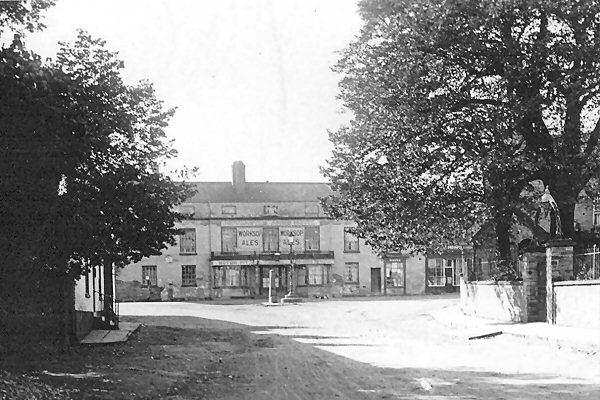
point(586, 264)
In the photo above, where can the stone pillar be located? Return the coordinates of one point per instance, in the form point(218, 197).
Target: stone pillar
point(533, 266)
point(559, 267)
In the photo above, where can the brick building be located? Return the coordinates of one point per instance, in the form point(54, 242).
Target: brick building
point(236, 232)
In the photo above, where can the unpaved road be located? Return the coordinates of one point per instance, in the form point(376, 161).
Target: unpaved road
point(372, 349)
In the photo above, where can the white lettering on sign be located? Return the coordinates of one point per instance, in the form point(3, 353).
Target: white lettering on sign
point(297, 233)
point(249, 239)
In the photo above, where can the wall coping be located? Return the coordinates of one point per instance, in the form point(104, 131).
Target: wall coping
point(577, 283)
point(498, 283)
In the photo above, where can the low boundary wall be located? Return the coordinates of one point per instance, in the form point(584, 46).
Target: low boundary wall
point(577, 303)
point(503, 301)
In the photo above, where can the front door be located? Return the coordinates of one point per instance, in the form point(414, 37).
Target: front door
point(376, 280)
point(279, 283)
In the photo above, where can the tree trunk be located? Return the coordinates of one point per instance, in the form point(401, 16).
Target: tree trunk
point(68, 313)
point(502, 223)
point(567, 218)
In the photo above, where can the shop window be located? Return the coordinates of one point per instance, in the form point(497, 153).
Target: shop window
point(395, 274)
point(318, 275)
point(188, 275)
point(301, 275)
point(149, 277)
point(312, 238)
point(351, 272)
point(228, 240)
point(435, 272)
point(230, 276)
point(228, 210)
point(187, 241)
point(350, 241)
point(271, 239)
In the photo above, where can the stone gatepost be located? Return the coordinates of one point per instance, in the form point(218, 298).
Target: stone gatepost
point(559, 267)
point(533, 266)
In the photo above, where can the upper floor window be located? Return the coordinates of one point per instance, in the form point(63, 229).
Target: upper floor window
point(271, 210)
point(228, 210)
point(271, 239)
point(228, 240)
point(350, 241)
point(187, 241)
point(312, 238)
point(187, 211)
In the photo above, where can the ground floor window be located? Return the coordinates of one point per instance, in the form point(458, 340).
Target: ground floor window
point(188, 275)
point(312, 275)
point(351, 272)
point(149, 277)
point(230, 276)
point(395, 274)
point(441, 272)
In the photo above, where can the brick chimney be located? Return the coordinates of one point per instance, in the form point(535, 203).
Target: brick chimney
point(239, 177)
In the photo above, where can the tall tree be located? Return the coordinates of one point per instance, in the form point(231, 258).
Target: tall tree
point(80, 153)
point(474, 98)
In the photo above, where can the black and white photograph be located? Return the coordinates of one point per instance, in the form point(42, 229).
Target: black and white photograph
point(299, 199)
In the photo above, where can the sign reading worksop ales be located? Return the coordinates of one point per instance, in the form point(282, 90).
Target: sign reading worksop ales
point(249, 239)
point(297, 232)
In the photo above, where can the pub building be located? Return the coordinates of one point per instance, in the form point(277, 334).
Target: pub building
point(237, 233)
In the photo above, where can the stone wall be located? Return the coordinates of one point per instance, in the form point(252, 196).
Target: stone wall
point(503, 301)
point(577, 303)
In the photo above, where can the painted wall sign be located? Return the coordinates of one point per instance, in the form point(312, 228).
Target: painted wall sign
point(297, 232)
point(249, 239)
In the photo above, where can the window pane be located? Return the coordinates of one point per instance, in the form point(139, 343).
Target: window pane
point(312, 238)
point(188, 275)
point(351, 272)
point(350, 241)
point(187, 241)
point(228, 243)
point(270, 239)
point(317, 275)
point(149, 275)
point(395, 273)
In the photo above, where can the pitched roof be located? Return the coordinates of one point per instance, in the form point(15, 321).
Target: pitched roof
point(259, 192)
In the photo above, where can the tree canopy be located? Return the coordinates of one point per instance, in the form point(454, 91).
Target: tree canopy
point(80, 152)
point(458, 106)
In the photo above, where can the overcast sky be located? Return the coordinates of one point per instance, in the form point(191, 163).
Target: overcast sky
point(251, 79)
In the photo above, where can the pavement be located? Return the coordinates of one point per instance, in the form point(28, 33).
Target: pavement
point(472, 328)
point(104, 336)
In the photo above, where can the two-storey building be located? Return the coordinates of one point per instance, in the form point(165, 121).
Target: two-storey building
point(237, 234)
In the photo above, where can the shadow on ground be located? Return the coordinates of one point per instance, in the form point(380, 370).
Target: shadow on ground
point(195, 358)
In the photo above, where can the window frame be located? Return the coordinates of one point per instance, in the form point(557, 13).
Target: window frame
point(395, 265)
point(243, 279)
point(355, 265)
point(190, 280)
point(234, 235)
point(266, 236)
point(153, 275)
point(347, 243)
point(181, 241)
point(228, 209)
point(316, 239)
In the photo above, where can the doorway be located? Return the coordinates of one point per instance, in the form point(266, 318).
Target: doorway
point(279, 280)
point(375, 280)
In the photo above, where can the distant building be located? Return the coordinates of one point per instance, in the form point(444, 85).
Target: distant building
point(236, 233)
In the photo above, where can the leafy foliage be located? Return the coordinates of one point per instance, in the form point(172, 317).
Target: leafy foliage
point(465, 103)
point(80, 152)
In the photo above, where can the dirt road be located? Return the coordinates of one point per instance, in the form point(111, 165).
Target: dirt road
point(362, 349)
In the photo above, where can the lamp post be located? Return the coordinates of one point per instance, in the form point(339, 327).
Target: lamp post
point(291, 243)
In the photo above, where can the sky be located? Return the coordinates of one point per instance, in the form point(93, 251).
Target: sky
point(251, 79)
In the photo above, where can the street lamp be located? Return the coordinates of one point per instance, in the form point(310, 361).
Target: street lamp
point(291, 243)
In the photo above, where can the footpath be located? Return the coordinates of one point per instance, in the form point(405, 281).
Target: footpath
point(472, 328)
